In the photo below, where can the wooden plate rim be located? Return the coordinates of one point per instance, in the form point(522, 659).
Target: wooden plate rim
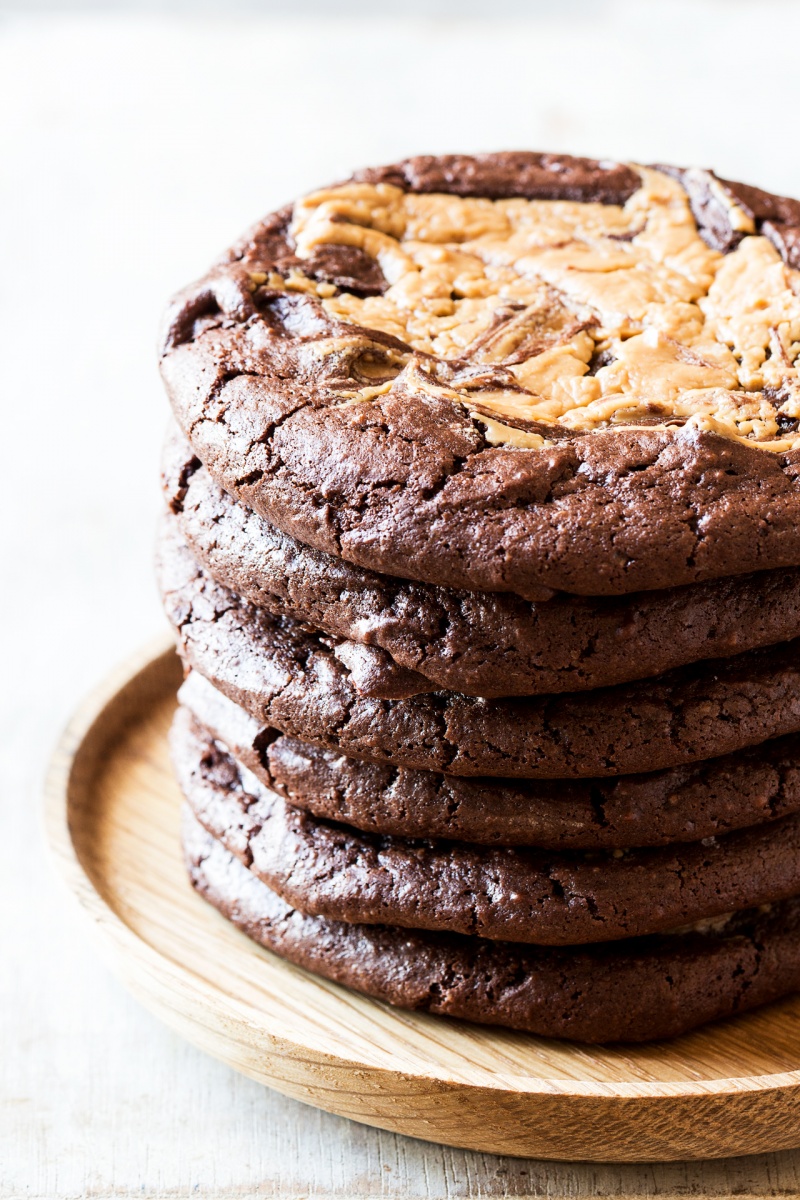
point(111, 928)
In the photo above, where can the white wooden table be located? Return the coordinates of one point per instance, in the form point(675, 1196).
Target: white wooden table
point(133, 148)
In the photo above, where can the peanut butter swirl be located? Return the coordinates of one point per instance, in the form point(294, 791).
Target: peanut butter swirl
point(545, 317)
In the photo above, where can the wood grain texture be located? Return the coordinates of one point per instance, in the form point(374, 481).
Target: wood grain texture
point(112, 811)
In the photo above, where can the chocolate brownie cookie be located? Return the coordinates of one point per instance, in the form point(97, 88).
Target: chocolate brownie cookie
point(514, 372)
point(508, 894)
point(639, 990)
point(341, 697)
point(683, 804)
point(480, 643)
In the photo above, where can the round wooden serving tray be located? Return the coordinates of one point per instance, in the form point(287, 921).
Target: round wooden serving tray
point(112, 823)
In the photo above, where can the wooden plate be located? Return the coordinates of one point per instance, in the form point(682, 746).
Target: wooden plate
point(112, 822)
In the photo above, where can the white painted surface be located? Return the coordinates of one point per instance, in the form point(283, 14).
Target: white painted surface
point(132, 148)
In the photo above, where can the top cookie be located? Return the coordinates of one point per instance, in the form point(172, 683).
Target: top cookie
point(515, 372)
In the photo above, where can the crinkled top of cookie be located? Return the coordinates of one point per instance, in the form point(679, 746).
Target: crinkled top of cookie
point(353, 367)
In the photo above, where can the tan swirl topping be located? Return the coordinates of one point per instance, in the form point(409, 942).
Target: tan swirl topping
point(574, 314)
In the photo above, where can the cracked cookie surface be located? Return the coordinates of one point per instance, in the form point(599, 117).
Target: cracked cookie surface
point(312, 687)
point(549, 374)
point(508, 894)
point(682, 804)
point(638, 990)
point(480, 643)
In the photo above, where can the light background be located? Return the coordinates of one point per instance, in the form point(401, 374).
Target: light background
point(133, 146)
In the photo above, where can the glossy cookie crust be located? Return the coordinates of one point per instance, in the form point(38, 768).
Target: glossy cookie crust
point(634, 991)
point(681, 804)
point(315, 688)
point(507, 894)
point(401, 458)
point(479, 643)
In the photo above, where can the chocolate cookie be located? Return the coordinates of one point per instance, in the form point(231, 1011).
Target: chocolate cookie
point(514, 372)
point(683, 804)
point(508, 894)
point(340, 696)
point(480, 643)
point(634, 991)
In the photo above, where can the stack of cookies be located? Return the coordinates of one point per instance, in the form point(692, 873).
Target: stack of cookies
point(482, 554)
